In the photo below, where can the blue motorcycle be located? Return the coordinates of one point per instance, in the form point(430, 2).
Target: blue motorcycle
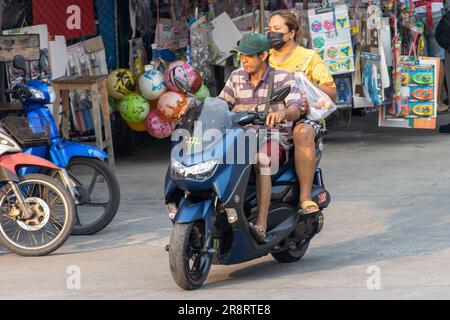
point(211, 202)
point(84, 170)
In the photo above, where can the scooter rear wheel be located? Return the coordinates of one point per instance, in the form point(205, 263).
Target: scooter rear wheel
point(189, 265)
point(289, 255)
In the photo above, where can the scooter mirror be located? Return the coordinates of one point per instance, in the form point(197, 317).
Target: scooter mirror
point(182, 85)
point(280, 94)
point(20, 63)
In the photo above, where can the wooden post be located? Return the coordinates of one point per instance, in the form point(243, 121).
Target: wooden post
point(2, 3)
point(262, 16)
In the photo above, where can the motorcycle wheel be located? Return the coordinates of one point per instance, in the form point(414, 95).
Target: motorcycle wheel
point(188, 265)
point(289, 256)
point(98, 206)
point(52, 221)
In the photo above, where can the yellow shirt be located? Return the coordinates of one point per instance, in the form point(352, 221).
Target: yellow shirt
point(309, 62)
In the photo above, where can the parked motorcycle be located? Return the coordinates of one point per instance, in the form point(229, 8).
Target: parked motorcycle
point(89, 179)
point(36, 211)
point(212, 203)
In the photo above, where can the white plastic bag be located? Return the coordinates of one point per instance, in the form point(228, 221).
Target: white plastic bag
point(320, 104)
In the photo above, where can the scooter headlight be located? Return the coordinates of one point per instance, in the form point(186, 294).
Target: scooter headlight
point(201, 171)
point(37, 94)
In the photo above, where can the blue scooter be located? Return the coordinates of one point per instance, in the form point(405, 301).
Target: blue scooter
point(84, 171)
point(211, 202)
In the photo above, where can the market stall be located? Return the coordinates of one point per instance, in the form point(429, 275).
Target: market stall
point(374, 49)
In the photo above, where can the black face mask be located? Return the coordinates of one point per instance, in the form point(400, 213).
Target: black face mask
point(276, 40)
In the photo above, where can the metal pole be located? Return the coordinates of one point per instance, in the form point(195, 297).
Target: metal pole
point(261, 16)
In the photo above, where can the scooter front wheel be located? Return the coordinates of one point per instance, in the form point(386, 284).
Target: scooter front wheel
point(189, 265)
point(51, 222)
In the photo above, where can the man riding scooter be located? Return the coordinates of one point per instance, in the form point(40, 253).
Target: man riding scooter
point(250, 86)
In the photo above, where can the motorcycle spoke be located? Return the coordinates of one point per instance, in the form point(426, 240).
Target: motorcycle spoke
point(32, 238)
point(18, 234)
point(56, 201)
point(56, 222)
point(49, 232)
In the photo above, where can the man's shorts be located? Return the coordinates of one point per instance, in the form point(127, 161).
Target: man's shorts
point(433, 49)
point(319, 127)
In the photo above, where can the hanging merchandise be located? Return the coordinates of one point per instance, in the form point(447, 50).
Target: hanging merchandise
point(344, 90)
point(151, 85)
point(134, 108)
point(200, 53)
point(202, 93)
point(329, 29)
point(95, 51)
point(70, 18)
point(138, 57)
point(418, 95)
point(121, 82)
point(173, 33)
point(142, 15)
point(138, 127)
point(372, 78)
point(185, 71)
point(171, 106)
point(157, 127)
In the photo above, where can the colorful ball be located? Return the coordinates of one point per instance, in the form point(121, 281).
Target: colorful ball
point(138, 127)
point(134, 108)
point(185, 71)
point(121, 82)
point(202, 93)
point(171, 106)
point(157, 127)
point(152, 85)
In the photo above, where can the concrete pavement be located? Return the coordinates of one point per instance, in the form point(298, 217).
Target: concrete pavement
point(390, 216)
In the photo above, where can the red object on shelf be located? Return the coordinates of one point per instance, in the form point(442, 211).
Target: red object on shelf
point(70, 18)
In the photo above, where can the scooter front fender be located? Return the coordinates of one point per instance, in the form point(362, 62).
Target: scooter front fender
point(190, 212)
point(64, 151)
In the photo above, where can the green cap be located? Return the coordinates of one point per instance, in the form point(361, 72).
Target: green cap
point(251, 44)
